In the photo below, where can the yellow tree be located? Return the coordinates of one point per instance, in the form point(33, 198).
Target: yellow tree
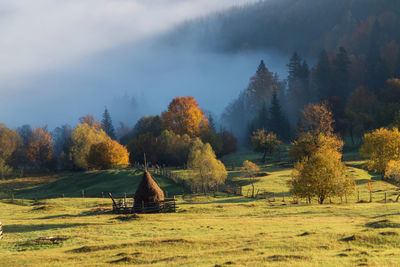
point(40, 147)
point(9, 141)
point(185, 117)
point(321, 175)
point(308, 144)
point(108, 154)
point(206, 169)
point(380, 147)
point(393, 172)
point(250, 169)
point(265, 143)
point(83, 137)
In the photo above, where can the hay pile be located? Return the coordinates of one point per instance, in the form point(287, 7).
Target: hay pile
point(148, 190)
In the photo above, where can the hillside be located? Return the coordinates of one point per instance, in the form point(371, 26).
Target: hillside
point(296, 25)
point(93, 183)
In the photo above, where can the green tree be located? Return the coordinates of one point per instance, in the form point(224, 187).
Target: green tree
point(323, 76)
point(206, 169)
point(265, 143)
point(250, 169)
point(278, 122)
point(107, 124)
point(341, 74)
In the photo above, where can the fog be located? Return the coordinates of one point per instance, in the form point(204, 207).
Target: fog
point(61, 61)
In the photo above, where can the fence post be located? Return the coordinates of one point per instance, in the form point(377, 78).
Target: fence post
point(83, 193)
point(370, 196)
point(385, 197)
point(358, 196)
point(102, 194)
point(63, 195)
point(12, 197)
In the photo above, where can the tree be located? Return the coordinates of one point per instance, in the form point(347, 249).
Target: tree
point(40, 147)
point(206, 169)
point(229, 143)
point(261, 87)
point(361, 110)
point(9, 143)
point(184, 117)
point(250, 170)
point(90, 120)
point(62, 139)
point(278, 122)
point(265, 143)
point(393, 172)
point(83, 137)
point(316, 119)
point(108, 154)
point(321, 175)
point(146, 124)
point(341, 65)
point(323, 76)
point(380, 147)
point(308, 144)
point(107, 124)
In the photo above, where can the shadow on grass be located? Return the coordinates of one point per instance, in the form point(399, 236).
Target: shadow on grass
point(19, 228)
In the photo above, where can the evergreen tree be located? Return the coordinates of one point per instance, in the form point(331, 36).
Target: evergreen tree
point(295, 69)
point(278, 123)
point(341, 73)
point(262, 119)
point(107, 124)
point(323, 76)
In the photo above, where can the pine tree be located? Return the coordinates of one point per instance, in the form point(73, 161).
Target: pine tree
point(262, 119)
point(341, 73)
point(294, 67)
point(323, 76)
point(107, 124)
point(278, 123)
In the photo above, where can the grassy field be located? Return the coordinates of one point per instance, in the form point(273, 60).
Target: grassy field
point(206, 231)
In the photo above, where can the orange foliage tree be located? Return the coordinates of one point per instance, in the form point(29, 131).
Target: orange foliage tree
point(185, 117)
point(40, 147)
point(317, 119)
point(108, 154)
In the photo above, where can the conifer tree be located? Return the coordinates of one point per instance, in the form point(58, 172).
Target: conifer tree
point(107, 124)
point(341, 73)
point(323, 76)
point(278, 123)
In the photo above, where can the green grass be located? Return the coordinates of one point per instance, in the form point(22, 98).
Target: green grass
point(206, 231)
point(93, 183)
point(220, 231)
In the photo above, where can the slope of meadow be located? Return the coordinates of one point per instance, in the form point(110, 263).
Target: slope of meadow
point(206, 231)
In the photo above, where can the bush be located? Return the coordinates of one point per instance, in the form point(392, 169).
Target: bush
point(108, 154)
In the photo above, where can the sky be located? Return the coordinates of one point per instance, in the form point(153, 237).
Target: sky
point(61, 59)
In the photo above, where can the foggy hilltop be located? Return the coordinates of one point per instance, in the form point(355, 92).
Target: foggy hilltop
point(135, 57)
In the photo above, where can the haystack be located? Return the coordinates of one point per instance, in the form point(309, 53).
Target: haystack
point(148, 191)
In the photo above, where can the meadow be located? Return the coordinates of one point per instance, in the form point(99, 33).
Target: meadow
point(220, 230)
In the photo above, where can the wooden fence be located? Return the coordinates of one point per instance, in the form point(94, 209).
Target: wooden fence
point(128, 206)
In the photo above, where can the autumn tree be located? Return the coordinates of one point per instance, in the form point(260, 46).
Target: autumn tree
point(107, 124)
point(108, 154)
point(83, 137)
point(380, 147)
point(185, 117)
point(91, 121)
point(250, 169)
point(321, 175)
point(207, 171)
point(392, 172)
point(40, 147)
point(265, 143)
point(308, 144)
point(316, 118)
point(10, 141)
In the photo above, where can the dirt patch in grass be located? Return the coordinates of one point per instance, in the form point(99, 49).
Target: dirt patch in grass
point(51, 240)
point(389, 233)
point(348, 239)
point(42, 208)
point(306, 233)
point(127, 217)
point(287, 257)
point(127, 259)
point(342, 255)
point(383, 224)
